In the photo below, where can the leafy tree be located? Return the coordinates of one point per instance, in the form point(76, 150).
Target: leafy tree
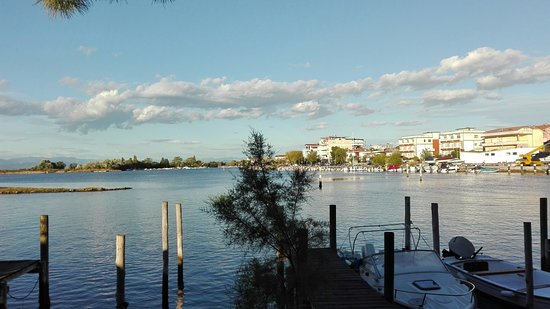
point(455, 153)
point(256, 284)
point(312, 157)
point(426, 154)
point(67, 8)
point(177, 162)
point(379, 159)
point(338, 155)
point(395, 158)
point(294, 157)
point(262, 211)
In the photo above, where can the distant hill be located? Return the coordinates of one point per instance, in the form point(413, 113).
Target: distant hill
point(27, 162)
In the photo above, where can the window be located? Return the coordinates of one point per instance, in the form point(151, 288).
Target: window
point(492, 154)
point(458, 136)
point(515, 153)
point(475, 135)
point(486, 154)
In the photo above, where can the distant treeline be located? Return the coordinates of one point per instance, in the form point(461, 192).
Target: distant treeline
point(133, 163)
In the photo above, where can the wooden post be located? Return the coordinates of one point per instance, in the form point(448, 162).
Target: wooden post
point(179, 241)
point(320, 182)
point(408, 170)
point(534, 169)
point(43, 277)
point(120, 271)
point(3, 295)
point(528, 264)
point(435, 227)
point(521, 168)
point(389, 266)
point(509, 168)
point(407, 223)
point(421, 172)
point(332, 227)
point(165, 254)
point(547, 253)
point(543, 232)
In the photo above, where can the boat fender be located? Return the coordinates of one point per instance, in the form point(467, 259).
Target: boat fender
point(506, 293)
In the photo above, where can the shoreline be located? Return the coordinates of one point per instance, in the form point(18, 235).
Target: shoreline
point(33, 190)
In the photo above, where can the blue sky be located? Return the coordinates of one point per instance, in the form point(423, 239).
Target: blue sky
point(193, 77)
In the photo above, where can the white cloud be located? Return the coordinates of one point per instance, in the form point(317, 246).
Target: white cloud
point(375, 124)
point(3, 83)
point(413, 123)
point(319, 126)
point(86, 50)
point(308, 107)
point(449, 97)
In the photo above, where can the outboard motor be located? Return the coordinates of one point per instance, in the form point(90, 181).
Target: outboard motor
point(461, 248)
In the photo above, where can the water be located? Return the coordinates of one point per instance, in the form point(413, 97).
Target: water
point(489, 209)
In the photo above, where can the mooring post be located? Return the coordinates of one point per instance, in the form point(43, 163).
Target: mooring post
point(521, 168)
point(407, 223)
point(388, 266)
point(420, 172)
point(534, 169)
point(120, 271)
point(179, 243)
point(509, 168)
point(408, 170)
point(435, 227)
point(165, 254)
point(528, 264)
point(543, 232)
point(332, 227)
point(320, 182)
point(44, 277)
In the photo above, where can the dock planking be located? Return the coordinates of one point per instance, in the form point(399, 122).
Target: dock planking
point(338, 286)
point(10, 270)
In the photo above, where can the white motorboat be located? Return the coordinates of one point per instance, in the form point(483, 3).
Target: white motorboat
point(498, 278)
point(421, 280)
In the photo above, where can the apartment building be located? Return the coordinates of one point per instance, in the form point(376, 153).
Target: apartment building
point(413, 146)
point(325, 145)
point(463, 139)
point(516, 137)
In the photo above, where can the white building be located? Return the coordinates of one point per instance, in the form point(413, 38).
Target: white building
point(413, 146)
point(494, 156)
point(463, 139)
point(325, 145)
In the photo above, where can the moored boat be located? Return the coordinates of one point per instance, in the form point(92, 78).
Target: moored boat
point(497, 278)
point(421, 280)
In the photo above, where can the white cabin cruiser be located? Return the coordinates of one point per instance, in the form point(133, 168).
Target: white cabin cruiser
point(421, 280)
point(501, 279)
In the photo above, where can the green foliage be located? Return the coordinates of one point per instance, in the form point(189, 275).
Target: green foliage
point(256, 284)
point(378, 160)
point(294, 157)
point(455, 153)
point(312, 157)
point(395, 158)
point(263, 209)
point(338, 155)
point(426, 154)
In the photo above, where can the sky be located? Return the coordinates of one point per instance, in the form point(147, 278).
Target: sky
point(195, 77)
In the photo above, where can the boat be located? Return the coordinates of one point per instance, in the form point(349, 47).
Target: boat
point(421, 280)
point(495, 277)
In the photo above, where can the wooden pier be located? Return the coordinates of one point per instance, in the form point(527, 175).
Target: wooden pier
point(341, 286)
point(10, 270)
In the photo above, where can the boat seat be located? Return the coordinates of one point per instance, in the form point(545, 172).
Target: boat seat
point(476, 266)
point(368, 249)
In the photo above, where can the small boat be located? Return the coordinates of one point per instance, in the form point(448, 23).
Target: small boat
point(421, 280)
point(498, 278)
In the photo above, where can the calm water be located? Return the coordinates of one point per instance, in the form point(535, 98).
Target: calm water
point(489, 209)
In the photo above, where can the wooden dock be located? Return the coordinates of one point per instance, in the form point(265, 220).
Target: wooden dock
point(339, 286)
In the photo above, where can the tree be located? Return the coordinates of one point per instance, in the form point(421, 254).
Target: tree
point(312, 157)
point(338, 155)
point(455, 153)
point(379, 159)
point(67, 8)
point(395, 158)
point(426, 154)
point(262, 211)
point(294, 157)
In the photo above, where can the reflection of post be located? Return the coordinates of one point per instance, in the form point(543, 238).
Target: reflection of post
point(43, 277)
point(332, 227)
point(120, 271)
point(165, 254)
point(543, 232)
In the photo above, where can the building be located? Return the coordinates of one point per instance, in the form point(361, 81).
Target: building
point(413, 146)
point(463, 139)
point(324, 147)
point(516, 137)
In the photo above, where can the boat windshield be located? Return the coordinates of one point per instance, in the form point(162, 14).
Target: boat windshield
point(416, 261)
